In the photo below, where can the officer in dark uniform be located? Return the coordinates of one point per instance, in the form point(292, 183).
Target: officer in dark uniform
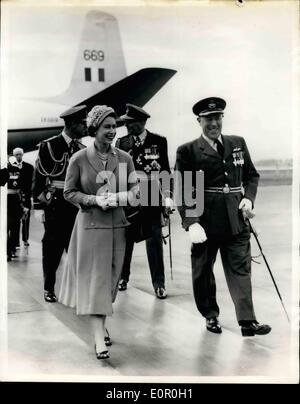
point(50, 171)
point(150, 154)
point(3, 176)
point(15, 209)
point(230, 186)
point(26, 174)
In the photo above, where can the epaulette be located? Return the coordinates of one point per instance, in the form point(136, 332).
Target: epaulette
point(50, 138)
point(126, 140)
point(46, 140)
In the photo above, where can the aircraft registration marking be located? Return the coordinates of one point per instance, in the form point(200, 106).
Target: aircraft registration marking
point(49, 119)
point(94, 55)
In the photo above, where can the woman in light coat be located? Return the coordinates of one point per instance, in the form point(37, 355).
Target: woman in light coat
point(100, 179)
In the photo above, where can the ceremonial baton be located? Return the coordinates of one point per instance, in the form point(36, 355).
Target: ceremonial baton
point(25, 225)
point(170, 246)
point(169, 236)
point(254, 232)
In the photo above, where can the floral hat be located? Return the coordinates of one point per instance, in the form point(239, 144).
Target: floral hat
point(97, 115)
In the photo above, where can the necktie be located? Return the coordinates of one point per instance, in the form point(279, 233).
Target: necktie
point(73, 147)
point(220, 147)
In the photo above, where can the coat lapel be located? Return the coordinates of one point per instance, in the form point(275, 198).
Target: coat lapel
point(62, 143)
point(206, 147)
point(112, 161)
point(96, 163)
point(227, 146)
point(93, 159)
point(58, 147)
point(148, 141)
point(128, 143)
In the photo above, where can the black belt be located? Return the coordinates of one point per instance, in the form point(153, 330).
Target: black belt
point(223, 190)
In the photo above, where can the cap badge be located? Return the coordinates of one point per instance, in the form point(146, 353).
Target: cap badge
point(211, 105)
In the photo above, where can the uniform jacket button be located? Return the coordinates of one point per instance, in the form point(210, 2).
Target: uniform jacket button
point(226, 173)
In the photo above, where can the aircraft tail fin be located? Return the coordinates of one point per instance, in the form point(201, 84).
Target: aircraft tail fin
point(100, 61)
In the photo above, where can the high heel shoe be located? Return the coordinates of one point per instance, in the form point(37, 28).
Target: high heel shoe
point(101, 355)
point(107, 339)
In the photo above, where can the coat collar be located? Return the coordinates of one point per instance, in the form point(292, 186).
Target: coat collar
point(62, 145)
point(147, 139)
point(95, 160)
point(207, 149)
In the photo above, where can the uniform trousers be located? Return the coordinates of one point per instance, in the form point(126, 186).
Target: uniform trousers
point(14, 213)
point(25, 227)
point(24, 224)
point(236, 259)
point(154, 248)
point(59, 220)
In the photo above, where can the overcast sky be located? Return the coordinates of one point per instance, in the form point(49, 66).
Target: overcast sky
point(243, 54)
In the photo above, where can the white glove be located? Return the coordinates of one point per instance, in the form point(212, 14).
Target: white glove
point(246, 206)
point(197, 233)
point(122, 198)
point(25, 210)
point(102, 202)
point(112, 200)
point(169, 204)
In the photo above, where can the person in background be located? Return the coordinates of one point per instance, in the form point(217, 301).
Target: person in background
point(15, 209)
point(150, 154)
point(26, 174)
point(3, 176)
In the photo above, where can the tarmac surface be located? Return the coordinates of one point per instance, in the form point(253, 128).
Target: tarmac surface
point(159, 340)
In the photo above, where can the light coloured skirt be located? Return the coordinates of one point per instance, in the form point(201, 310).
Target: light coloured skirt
point(93, 269)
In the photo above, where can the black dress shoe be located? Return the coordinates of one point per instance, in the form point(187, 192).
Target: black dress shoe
point(50, 297)
point(107, 339)
point(101, 355)
point(213, 325)
point(122, 284)
point(254, 328)
point(161, 293)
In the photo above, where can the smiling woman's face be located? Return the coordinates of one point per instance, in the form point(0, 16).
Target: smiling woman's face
point(106, 131)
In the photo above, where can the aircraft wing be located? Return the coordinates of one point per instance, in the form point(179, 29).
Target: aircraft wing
point(29, 138)
point(137, 89)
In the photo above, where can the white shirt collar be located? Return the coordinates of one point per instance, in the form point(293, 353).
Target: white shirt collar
point(67, 138)
point(212, 142)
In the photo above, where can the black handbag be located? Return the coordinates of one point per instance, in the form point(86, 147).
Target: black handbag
point(140, 226)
